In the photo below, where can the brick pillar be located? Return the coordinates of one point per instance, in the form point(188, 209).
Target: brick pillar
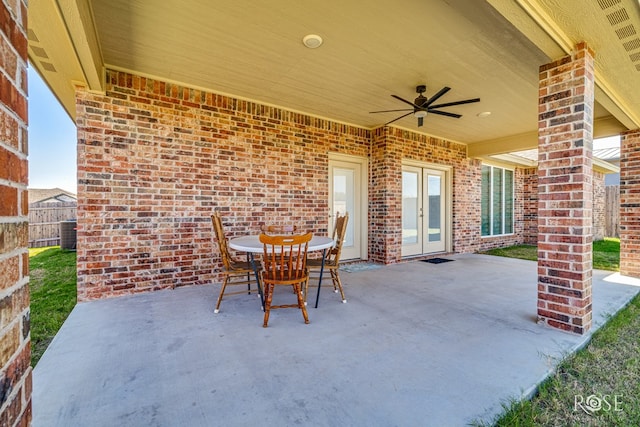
point(630, 203)
point(565, 143)
point(15, 345)
point(385, 198)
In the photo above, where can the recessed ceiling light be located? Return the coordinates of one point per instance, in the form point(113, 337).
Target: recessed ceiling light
point(312, 41)
point(484, 114)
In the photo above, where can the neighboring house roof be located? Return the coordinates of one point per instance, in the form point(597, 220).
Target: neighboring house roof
point(609, 154)
point(39, 195)
point(605, 160)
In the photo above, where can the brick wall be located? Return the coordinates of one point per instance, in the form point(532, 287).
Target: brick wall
point(385, 230)
point(15, 341)
point(530, 195)
point(630, 204)
point(155, 159)
point(466, 184)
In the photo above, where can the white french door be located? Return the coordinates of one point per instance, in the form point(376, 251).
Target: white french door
point(424, 209)
point(348, 193)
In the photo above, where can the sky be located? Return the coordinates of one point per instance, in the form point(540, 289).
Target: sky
point(52, 140)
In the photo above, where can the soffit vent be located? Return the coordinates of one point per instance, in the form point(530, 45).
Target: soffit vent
point(48, 66)
point(38, 51)
point(31, 35)
point(604, 4)
point(618, 16)
point(625, 32)
point(632, 45)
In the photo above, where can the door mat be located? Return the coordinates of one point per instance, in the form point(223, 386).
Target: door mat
point(354, 268)
point(437, 260)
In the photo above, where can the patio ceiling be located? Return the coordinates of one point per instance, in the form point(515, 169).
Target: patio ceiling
point(491, 50)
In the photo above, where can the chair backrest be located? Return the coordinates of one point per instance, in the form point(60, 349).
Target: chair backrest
point(285, 257)
point(280, 229)
point(216, 219)
point(339, 231)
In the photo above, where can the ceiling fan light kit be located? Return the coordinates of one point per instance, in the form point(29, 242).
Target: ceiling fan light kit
point(422, 105)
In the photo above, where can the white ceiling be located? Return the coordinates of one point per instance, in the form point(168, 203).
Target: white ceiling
point(487, 49)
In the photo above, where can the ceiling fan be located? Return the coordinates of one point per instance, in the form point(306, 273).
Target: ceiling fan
point(423, 105)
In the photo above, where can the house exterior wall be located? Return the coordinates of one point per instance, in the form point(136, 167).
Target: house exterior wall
point(156, 158)
point(15, 340)
point(530, 196)
point(630, 204)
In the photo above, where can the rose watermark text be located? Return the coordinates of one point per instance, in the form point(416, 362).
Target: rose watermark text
point(597, 402)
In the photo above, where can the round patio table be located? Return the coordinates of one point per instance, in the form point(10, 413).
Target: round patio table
point(252, 245)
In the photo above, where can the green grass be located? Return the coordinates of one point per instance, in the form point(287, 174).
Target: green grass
point(53, 294)
point(606, 253)
point(608, 366)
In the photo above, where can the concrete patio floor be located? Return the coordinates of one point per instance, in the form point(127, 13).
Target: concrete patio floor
point(417, 344)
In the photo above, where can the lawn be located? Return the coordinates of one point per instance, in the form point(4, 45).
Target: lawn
point(53, 294)
point(606, 253)
point(600, 384)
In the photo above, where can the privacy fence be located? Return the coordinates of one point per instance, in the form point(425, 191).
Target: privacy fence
point(44, 222)
point(612, 211)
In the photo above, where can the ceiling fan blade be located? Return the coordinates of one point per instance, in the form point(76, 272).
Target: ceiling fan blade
point(437, 95)
point(389, 111)
point(449, 104)
point(444, 113)
point(406, 102)
point(401, 117)
point(420, 121)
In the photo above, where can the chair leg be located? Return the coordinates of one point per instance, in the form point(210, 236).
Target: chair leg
point(297, 287)
point(224, 285)
point(336, 280)
point(268, 291)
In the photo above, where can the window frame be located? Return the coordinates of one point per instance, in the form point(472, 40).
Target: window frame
point(503, 201)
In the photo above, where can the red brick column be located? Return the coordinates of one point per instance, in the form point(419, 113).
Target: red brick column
point(385, 197)
point(15, 346)
point(565, 220)
point(630, 204)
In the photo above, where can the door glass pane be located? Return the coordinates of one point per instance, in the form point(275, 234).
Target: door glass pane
point(343, 199)
point(435, 202)
point(508, 201)
point(497, 201)
point(485, 208)
point(409, 207)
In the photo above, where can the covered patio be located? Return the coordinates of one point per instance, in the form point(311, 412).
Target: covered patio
point(183, 107)
point(417, 344)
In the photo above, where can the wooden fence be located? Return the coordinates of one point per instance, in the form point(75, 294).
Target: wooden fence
point(44, 222)
point(612, 211)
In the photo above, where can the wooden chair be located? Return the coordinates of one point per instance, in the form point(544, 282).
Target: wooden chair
point(284, 263)
point(332, 259)
point(235, 272)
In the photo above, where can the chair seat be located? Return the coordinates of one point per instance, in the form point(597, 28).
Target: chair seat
point(237, 266)
point(317, 263)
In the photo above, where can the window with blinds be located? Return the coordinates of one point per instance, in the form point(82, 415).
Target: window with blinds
point(497, 201)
